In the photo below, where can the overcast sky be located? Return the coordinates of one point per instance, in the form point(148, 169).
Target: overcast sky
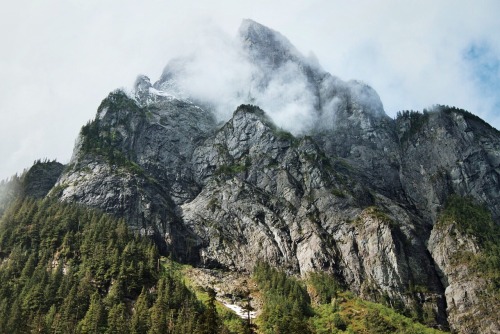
point(59, 59)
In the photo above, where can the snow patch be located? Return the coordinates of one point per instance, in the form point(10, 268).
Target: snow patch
point(239, 310)
point(162, 93)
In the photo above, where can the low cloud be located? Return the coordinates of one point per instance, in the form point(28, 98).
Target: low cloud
point(60, 59)
point(220, 73)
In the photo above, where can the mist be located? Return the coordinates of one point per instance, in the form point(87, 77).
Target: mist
point(61, 58)
point(219, 72)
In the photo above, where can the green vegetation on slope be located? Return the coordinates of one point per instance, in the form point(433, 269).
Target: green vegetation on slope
point(106, 141)
point(289, 309)
point(34, 182)
point(287, 305)
point(475, 221)
point(67, 269)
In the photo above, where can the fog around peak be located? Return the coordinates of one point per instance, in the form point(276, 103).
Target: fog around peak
point(60, 59)
point(259, 66)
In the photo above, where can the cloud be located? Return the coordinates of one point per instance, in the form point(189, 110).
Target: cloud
point(61, 58)
point(411, 52)
point(288, 98)
point(220, 73)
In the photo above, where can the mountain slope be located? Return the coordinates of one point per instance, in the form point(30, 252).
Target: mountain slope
point(351, 192)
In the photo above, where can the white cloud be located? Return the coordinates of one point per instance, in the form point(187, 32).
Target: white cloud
point(60, 58)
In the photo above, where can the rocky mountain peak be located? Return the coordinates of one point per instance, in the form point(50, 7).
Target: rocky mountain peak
point(266, 44)
point(142, 88)
point(248, 113)
point(142, 83)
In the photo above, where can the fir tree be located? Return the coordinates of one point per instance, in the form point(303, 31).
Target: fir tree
point(140, 321)
point(118, 320)
point(95, 318)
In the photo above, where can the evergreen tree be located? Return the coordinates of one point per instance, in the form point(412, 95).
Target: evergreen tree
point(15, 322)
point(211, 323)
point(118, 320)
point(248, 326)
point(95, 318)
point(74, 270)
point(140, 321)
point(158, 311)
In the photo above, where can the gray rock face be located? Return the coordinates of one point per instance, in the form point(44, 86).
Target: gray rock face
point(133, 161)
point(449, 151)
point(471, 309)
point(271, 197)
point(346, 119)
point(36, 182)
point(356, 194)
point(354, 126)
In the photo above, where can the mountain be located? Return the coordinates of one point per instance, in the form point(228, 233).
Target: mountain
point(374, 201)
point(35, 182)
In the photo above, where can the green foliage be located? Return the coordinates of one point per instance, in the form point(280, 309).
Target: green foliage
point(34, 182)
point(230, 169)
point(475, 221)
point(100, 139)
point(471, 219)
point(347, 314)
point(280, 133)
point(286, 302)
point(467, 115)
point(327, 321)
point(287, 307)
point(68, 269)
point(285, 135)
point(377, 213)
point(236, 168)
point(106, 143)
point(118, 101)
point(338, 193)
point(253, 109)
point(324, 286)
point(415, 122)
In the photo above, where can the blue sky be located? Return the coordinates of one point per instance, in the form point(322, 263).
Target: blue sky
point(60, 58)
point(484, 66)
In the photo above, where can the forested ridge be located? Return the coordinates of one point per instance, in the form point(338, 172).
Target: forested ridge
point(67, 269)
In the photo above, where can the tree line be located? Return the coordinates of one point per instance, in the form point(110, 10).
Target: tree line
point(68, 269)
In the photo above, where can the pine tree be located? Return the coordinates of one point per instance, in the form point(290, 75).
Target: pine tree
point(211, 322)
point(95, 318)
point(140, 321)
point(248, 326)
point(117, 320)
point(15, 322)
point(158, 311)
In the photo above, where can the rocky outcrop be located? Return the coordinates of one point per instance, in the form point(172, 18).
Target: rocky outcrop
point(472, 305)
point(36, 182)
point(133, 161)
point(446, 151)
point(268, 196)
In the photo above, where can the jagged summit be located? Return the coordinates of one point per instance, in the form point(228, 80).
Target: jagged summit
point(266, 44)
point(264, 68)
point(142, 87)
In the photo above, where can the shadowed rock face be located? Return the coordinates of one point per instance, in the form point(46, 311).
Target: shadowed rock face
point(357, 194)
point(471, 307)
point(449, 151)
point(35, 182)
